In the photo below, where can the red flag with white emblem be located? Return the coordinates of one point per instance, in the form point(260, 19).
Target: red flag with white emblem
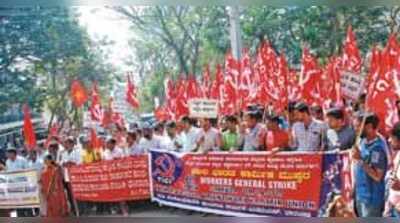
point(96, 111)
point(351, 59)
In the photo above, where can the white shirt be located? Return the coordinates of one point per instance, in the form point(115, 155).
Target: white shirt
point(169, 143)
point(19, 163)
point(73, 156)
point(146, 145)
point(111, 155)
point(37, 165)
point(210, 140)
point(190, 139)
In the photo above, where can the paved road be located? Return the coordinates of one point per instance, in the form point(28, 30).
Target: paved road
point(149, 209)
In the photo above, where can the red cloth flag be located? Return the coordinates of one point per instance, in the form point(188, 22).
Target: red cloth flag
point(78, 93)
point(118, 119)
point(96, 111)
point(193, 89)
point(310, 77)
point(181, 106)
point(53, 132)
point(131, 94)
point(108, 114)
point(246, 85)
point(95, 142)
point(162, 114)
point(351, 59)
point(229, 98)
point(217, 84)
point(381, 95)
point(29, 131)
point(206, 82)
point(332, 83)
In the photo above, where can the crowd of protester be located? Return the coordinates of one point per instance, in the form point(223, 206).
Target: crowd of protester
point(299, 128)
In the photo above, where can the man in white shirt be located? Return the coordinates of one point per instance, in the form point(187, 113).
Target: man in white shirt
point(149, 141)
point(209, 137)
point(171, 141)
point(34, 161)
point(189, 135)
point(112, 152)
point(15, 162)
point(70, 156)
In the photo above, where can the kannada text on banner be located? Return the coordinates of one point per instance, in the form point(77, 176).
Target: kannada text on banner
point(111, 181)
point(242, 183)
point(19, 189)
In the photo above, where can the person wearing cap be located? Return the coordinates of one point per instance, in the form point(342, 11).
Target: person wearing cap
point(251, 132)
point(371, 165)
point(340, 135)
point(15, 162)
point(276, 139)
point(307, 133)
point(111, 151)
point(171, 141)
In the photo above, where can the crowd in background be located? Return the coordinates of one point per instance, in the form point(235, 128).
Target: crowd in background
point(299, 128)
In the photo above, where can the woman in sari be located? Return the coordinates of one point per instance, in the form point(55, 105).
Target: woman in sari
point(53, 189)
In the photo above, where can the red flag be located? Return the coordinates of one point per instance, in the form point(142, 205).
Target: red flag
point(246, 86)
point(229, 97)
point(95, 142)
point(118, 119)
point(53, 132)
point(206, 82)
point(131, 94)
point(78, 93)
point(391, 51)
point(332, 83)
point(217, 84)
point(351, 59)
point(193, 89)
point(310, 77)
point(381, 95)
point(108, 114)
point(161, 114)
point(29, 132)
point(181, 106)
point(96, 111)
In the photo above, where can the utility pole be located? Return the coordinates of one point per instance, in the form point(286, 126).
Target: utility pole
point(236, 40)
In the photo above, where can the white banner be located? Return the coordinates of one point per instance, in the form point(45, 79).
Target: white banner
point(203, 108)
point(352, 85)
point(19, 189)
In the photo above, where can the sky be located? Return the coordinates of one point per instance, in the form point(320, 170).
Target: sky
point(103, 22)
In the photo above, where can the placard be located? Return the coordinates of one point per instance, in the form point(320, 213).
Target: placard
point(19, 189)
point(247, 184)
point(111, 181)
point(352, 85)
point(203, 108)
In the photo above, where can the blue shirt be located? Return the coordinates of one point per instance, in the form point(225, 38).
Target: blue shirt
point(368, 190)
